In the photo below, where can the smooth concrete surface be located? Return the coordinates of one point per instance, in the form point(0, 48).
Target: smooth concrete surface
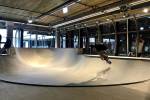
point(24, 92)
point(64, 67)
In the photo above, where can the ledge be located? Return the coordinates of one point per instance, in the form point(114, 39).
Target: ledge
point(121, 57)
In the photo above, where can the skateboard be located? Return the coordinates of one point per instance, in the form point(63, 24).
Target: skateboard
point(106, 59)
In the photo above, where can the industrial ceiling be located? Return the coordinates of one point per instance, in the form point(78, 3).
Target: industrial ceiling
point(49, 12)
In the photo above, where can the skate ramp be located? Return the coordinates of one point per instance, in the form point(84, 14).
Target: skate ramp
point(64, 67)
point(49, 67)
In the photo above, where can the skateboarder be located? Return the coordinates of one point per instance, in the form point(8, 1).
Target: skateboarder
point(101, 49)
point(6, 47)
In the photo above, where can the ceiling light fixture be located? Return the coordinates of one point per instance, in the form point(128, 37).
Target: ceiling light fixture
point(65, 10)
point(108, 19)
point(145, 10)
point(97, 22)
point(141, 28)
point(30, 21)
point(85, 24)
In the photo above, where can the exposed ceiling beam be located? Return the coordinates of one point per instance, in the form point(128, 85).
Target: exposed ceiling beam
point(143, 5)
point(21, 21)
point(68, 2)
point(146, 4)
point(31, 27)
point(19, 8)
point(27, 10)
point(86, 5)
point(100, 9)
point(12, 13)
point(90, 12)
point(72, 26)
point(81, 22)
point(26, 27)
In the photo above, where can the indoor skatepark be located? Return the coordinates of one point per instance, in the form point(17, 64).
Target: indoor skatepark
point(64, 67)
point(74, 50)
point(124, 80)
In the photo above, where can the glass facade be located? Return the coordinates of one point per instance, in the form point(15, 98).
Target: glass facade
point(109, 41)
point(29, 40)
point(3, 33)
point(121, 37)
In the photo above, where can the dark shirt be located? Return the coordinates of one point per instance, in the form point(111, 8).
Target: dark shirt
point(7, 44)
point(100, 47)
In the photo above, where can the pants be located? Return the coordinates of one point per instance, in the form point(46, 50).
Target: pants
point(139, 54)
point(3, 51)
point(103, 55)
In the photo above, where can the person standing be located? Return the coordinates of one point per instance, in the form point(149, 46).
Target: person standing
point(140, 47)
point(6, 47)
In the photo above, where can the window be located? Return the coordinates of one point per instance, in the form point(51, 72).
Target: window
point(3, 33)
point(109, 41)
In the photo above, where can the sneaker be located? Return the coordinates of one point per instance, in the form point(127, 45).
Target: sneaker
point(108, 61)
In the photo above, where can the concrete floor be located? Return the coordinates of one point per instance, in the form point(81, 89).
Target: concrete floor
point(139, 91)
point(125, 71)
point(65, 67)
